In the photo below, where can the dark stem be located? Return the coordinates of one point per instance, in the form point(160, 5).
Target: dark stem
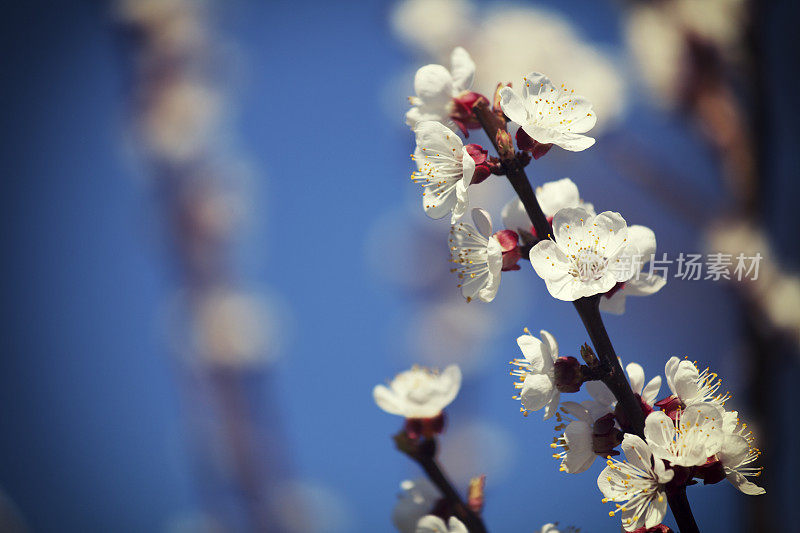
point(614, 378)
point(679, 504)
point(514, 171)
point(588, 309)
point(424, 454)
point(462, 511)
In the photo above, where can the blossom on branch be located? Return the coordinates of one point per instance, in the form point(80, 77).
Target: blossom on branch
point(552, 197)
point(590, 255)
point(550, 115)
point(689, 440)
point(639, 482)
point(445, 169)
point(419, 393)
point(481, 256)
point(443, 95)
point(535, 373)
point(689, 386)
point(642, 284)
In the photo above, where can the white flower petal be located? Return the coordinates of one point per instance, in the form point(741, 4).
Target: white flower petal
point(537, 391)
point(462, 68)
point(650, 392)
point(635, 377)
point(434, 84)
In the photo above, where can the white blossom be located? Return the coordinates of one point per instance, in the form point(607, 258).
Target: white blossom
point(590, 255)
point(550, 114)
point(694, 436)
point(639, 482)
point(535, 373)
point(419, 392)
point(548, 528)
point(434, 524)
point(444, 169)
point(479, 257)
point(738, 453)
point(691, 386)
point(552, 197)
point(435, 88)
point(577, 453)
point(417, 500)
point(641, 284)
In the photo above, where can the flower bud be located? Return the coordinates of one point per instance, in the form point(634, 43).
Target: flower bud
point(567, 374)
point(525, 142)
point(587, 354)
point(509, 242)
point(462, 113)
point(505, 147)
point(483, 168)
point(475, 494)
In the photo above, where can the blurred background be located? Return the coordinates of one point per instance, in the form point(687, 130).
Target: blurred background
point(212, 253)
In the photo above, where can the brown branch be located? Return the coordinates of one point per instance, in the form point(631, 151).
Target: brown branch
point(588, 308)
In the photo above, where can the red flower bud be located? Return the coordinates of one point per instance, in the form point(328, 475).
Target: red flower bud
point(525, 142)
point(424, 427)
point(483, 168)
point(509, 242)
point(567, 374)
point(462, 113)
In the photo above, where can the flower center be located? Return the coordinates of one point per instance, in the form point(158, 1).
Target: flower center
point(588, 265)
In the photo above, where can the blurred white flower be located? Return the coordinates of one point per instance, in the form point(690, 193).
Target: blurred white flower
point(434, 524)
point(417, 500)
point(550, 114)
point(639, 481)
point(552, 197)
point(641, 284)
point(181, 118)
point(445, 170)
point(435, 26)
point(448, 331)
point(535, 373)
point(479, 256)
point(419, 392)
point(689, 440)
point(590, 255)
point(323, 509)
point(658, 37)
point(513, 39)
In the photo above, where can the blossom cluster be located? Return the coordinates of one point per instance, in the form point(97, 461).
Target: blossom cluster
point(595, 259)
point(687, 434)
